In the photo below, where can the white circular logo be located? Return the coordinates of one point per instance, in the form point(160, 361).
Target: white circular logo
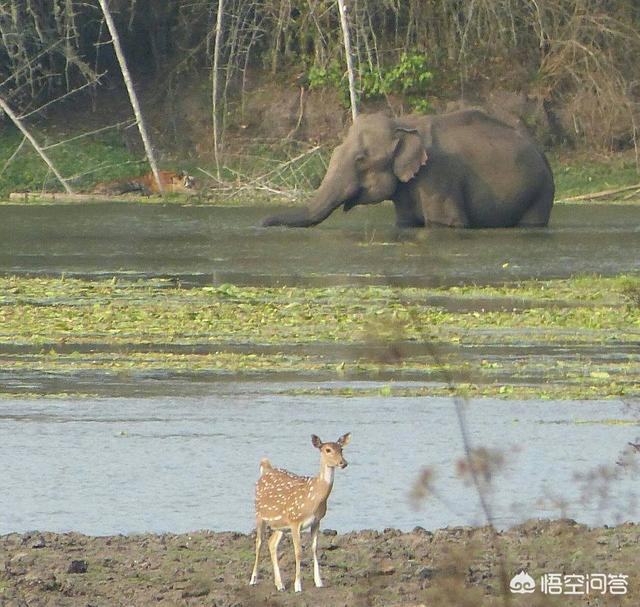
point(522, 583)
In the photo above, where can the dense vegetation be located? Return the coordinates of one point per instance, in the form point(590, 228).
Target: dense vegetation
point(578, 57)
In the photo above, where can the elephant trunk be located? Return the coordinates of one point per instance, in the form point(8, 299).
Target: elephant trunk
point(318, 210)
point(336, 188)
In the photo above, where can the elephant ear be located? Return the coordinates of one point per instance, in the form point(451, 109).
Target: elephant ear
point(409, 154)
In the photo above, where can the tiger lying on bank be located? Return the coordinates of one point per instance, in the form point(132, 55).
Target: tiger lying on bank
point(146, 185)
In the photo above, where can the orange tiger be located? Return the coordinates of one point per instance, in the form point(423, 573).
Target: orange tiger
point(146, 185)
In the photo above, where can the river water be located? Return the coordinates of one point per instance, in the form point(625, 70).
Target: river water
point(218, 245)
point(168, 454)
point(120, 465)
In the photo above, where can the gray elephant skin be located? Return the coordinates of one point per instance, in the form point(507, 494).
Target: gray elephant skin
point(463, 169)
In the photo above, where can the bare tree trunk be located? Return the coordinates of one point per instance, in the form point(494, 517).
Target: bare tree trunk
point(347, 51)
point(9, 112)
point(214, 87)
point(132, 93)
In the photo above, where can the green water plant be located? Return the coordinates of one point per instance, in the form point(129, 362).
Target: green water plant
point(554, 343)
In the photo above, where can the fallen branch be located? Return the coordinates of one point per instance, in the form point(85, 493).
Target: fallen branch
point(209, 175)
point(57, 99)
point(133, 98)
point(104, 166)
point(280, 167)
point(50, 197)
point(130, 122)
point(257, 186)
point(602, 194)
point(9, 112)
point(30, 62)
point(263, 182)
point(234, 190)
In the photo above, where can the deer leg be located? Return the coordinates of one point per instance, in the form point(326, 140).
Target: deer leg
point(274, 540)
point(260, 527)
point(317, 580)
point(295, 536)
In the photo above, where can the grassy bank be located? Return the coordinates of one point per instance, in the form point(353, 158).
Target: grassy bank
point(578, 173)
point(105, 157)
point(573, 338)
point(85, 161)
point(458, 566)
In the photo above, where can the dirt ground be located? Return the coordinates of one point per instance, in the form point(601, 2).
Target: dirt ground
point(458, 566)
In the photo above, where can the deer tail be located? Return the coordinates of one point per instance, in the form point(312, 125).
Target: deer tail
point(265, 465)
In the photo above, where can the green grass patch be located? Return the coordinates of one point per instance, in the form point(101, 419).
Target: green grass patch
point(578, 174)
point(84, 162)
point(91, 159)
point(547, 338)
point(287, 166)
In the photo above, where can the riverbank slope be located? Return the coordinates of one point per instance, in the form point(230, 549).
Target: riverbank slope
point(455, 566)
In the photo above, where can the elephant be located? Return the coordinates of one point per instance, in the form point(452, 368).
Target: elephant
point(463, 169)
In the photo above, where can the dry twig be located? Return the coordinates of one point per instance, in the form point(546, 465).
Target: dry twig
point(602, 194)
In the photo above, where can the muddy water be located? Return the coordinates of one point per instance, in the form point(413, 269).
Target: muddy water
point(209, 244)
point(125, 465)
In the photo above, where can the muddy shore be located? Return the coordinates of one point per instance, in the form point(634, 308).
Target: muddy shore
point(455, 566)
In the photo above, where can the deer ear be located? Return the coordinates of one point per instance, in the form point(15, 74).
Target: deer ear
point(315, 441)
point(344, 439)
point(409, 154)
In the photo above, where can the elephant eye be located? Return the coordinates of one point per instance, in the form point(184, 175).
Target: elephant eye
point(360, 156)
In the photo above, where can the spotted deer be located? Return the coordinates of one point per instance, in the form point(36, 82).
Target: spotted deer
point(285, 500)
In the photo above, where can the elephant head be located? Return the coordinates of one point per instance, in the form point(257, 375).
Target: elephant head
point(378, 153)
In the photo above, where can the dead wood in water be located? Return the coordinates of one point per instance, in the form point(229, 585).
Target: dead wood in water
point(601, 194)
point(64, 197)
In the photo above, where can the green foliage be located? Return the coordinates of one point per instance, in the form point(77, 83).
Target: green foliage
point(60, 44)
point(410, 78)
point(332, 75)
point(91, 159)
point(580, 175)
